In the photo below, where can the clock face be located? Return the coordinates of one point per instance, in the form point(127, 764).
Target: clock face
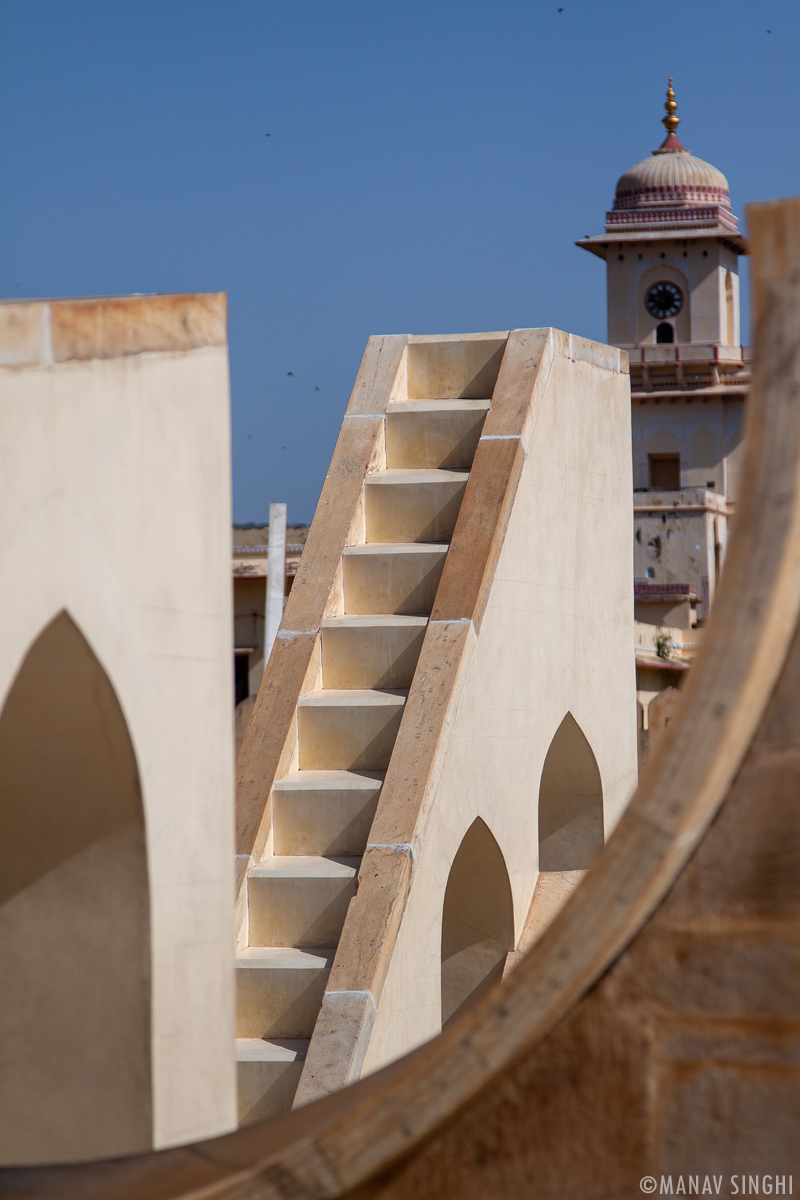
point(664, 300)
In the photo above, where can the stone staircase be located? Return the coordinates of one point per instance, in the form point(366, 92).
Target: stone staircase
point(298, 894)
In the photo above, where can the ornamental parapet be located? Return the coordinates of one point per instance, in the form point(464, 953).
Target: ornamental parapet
point(664, 591)
point(689, 367)
point(678, 194)
point(671, 218)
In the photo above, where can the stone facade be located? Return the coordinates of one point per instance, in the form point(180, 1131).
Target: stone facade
point(116, 821)
point(671, 248)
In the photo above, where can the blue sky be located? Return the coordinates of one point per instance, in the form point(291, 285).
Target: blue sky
point(428, 169)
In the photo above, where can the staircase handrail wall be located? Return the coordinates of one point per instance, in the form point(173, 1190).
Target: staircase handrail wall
point(342, 1033)
point(293, 667)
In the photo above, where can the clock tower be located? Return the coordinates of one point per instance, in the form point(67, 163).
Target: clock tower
point(671, 247)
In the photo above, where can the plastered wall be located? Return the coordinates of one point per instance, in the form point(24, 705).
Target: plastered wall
point(557, 637)
point(115, 509)
point(705, 269)
point(706, 431)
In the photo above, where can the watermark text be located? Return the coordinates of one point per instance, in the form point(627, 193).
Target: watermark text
point(717, 1185)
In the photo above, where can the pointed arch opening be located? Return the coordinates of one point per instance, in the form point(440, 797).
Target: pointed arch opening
point(570, 802)
point(477, 921)
point(75, 1070)
point(570, 824)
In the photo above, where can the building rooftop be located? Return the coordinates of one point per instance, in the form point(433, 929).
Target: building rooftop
point(251, 549)
point(671, 191)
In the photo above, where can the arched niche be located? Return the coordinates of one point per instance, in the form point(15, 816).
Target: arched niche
point(477, 921)
point(704, 450)
point(663, 441)
point(570, 802)
point(75, 1071)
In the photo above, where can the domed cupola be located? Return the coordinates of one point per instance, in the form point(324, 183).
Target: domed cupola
point(671, 249)
point(671, 190)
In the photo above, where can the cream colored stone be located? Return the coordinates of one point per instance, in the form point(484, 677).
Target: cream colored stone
point(556, 639)
point(348, 730)
point(543, 695)
point(434, 433)
point(279, 991)
point(413, 506)
point(268, 1074)
point(570, 802)
point(25, 335)
point(477, 922)
point(348, 713)
point(706, 271)
point(461, 365)
point(391, 579)
point(115, 511)
point(553, 889)
point(342, 1034)
point(299, 901)
point(371, 652)
point(324, 812)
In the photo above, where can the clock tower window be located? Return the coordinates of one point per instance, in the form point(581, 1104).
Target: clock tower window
point(665, 334)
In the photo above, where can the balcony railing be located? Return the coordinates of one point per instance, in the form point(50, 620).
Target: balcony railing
point(676, 501)
point(682, 367)
point(693, 354)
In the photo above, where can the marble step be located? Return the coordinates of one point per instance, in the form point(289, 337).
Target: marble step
point(267, 1076)
point(348, 729)
point(434, 433)
point(413, 506)
point(279, 990)
point(396, 578)
point(372, 651)
point(300, 900)
point(324, 812)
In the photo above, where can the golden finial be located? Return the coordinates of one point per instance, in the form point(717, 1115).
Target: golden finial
point(670, 121)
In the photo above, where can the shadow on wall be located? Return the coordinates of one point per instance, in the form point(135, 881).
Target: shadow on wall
point(570, 825)
point(477, 922)
point(570, 802)
point(75, 1074)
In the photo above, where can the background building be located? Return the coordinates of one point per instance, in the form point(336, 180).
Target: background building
point(250, 554)
point(671, 247)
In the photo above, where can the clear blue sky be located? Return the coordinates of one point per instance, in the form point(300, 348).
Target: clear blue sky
point(428, 168)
